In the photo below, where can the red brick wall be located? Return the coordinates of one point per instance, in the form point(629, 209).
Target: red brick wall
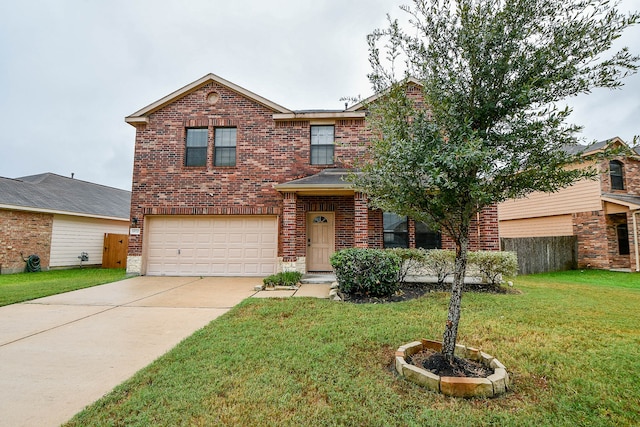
point(631, 175)
point(27, 233)
point(593, 247)
point(267, 153)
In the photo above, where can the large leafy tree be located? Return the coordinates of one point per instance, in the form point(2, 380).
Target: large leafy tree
point(493, 76)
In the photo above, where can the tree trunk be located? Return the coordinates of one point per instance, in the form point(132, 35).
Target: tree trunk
point(451, 331)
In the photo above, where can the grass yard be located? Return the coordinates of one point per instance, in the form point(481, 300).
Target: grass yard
point(27, 286)
point(571, 342)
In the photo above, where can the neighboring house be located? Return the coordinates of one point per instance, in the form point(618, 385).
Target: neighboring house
point(57, 218)
point(226, 182)
point(601, 213)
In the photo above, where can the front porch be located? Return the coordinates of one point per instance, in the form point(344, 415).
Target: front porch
point(322, 214)
point(622, 231)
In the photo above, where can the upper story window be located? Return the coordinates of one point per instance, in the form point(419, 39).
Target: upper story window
point(396, 230)
point(616, 172)
point(196, 151)
point(322, 145)
point(224, 152)
point(427, 238)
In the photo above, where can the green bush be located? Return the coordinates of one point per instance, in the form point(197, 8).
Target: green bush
point(372, 272)
point(285, 278)
point(410, 259)
point(493, 265)
point(440, 263)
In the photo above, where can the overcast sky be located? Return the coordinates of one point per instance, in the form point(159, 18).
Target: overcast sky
point(71, 70)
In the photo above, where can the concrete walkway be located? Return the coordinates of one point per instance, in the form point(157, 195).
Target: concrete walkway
point(61, 353)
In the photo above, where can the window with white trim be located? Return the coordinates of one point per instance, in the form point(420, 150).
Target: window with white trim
point(322, 145)
point(196, 147)
point(224, 147)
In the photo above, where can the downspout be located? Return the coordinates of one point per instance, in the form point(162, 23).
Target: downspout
point(635, 238)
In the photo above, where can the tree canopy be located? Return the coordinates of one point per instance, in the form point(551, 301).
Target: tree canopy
point(493, 75)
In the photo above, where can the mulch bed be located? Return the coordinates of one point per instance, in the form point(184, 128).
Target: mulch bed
point(412, 290)
point(437, 364)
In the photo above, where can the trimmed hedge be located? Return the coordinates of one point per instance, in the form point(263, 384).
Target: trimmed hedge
point(370, 272)
point(378, 272)
point(411, 258)
point(493, 265)
point(441, 263)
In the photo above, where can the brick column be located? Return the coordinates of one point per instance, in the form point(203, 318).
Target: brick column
point(411, 229)
point(488, 235)
point(289, 227)
point(360, 221)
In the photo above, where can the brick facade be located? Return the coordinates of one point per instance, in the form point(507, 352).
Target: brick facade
point(24, 234)
point(269, 151)
point(596, 231)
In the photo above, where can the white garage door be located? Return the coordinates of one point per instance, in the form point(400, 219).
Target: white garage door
point(211, 245)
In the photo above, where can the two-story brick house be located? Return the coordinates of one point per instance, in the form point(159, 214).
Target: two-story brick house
point(601, 213)
point(226, 182)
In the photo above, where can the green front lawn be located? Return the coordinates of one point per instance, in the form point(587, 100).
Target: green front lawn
point(571, 342)
point(27, 286)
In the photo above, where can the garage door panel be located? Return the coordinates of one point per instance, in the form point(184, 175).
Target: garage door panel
point(220, 246)
point(217, 253)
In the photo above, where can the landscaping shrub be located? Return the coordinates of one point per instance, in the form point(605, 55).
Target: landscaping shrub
point(493, 265)
point(440, 263)
point(285, 278)
point(411, 259)
point(371, 272)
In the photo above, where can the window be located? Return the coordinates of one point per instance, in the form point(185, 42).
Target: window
point(396, 232)
point(224, 147)
point(196, 152)
point(623, 239)
point(617, 178)
point(322, 145)
point(427, 238)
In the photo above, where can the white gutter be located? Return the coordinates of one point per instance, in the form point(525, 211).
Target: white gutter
point(59, 212)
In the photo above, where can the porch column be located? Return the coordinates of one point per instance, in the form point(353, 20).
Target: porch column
point(360, 221)
point(488, 233)
point(289, 227)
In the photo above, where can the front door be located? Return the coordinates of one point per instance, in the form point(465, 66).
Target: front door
point(320, 240)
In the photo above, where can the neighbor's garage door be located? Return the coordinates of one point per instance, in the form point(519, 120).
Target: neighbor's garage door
point(211, 245)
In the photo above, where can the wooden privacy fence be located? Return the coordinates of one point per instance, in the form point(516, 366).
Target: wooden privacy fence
point(115, 250)
point(543, 254)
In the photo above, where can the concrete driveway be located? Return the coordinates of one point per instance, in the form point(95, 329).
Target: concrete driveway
point(61, 353)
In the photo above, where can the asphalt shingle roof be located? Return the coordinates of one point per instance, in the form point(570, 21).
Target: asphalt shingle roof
point(53, 192)
point(330, 176)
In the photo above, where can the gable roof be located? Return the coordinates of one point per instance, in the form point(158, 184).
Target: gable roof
point(140, 116)
point(53, 193)
point(363, 104)
point(585, 150)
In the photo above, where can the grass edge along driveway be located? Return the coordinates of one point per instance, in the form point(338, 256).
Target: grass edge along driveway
point(15, 288)
point(569, 340)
